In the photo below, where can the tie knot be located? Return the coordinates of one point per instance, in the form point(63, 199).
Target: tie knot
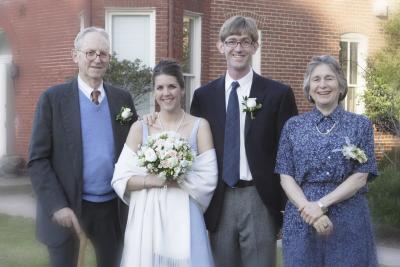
point(95, 96)
point(235, 85)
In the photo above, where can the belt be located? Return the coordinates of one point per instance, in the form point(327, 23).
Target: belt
point(243, 183)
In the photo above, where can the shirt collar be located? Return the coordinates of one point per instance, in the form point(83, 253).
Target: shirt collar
point(244, 82)
point(335, 115)
point(87, 90)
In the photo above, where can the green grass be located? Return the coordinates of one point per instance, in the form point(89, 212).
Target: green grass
point(19, 247)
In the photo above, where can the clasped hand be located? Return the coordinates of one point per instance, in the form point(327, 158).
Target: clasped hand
point(313, 215)
point(310, 212)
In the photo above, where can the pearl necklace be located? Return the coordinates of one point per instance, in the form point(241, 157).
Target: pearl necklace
point(178, 126)
point(328, 131)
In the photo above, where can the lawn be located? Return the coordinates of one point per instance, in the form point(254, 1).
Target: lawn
point(19, 248)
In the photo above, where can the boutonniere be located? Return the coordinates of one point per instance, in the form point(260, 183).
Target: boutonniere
point(124, 116)
point(249, 105)
point(352, 152)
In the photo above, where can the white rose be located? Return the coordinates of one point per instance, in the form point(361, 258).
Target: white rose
point(251, 103)
point(168, 145)
point(126, 113)
point(172, 162)
point(150, 155)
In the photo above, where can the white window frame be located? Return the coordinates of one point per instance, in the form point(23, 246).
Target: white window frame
point(195, 75)
point(5, 61)
point(110, 12)
point(256, 58)
point(361, 66)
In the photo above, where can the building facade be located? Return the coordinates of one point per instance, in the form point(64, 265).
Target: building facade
point(36, 38)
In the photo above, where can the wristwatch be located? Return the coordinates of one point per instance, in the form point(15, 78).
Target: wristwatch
point(322, 206)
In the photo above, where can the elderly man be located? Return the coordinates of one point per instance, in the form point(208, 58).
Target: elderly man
point(76, 139)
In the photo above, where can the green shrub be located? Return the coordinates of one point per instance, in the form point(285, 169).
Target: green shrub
point(382, 96)
point(390, 159)
point(384, 197)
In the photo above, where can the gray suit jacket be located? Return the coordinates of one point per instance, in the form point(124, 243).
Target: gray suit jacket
point(55, 153)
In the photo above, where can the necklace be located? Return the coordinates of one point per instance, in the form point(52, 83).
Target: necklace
point(177, 127)
point(328, 131)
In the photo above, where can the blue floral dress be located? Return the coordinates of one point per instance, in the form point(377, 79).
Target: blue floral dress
point(309, 152)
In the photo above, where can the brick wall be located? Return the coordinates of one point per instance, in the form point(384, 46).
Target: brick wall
point(293, 31)
point(384, 143)
point(41, 34)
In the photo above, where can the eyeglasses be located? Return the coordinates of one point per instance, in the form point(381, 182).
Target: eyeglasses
point(92, 55)
point(246, 43)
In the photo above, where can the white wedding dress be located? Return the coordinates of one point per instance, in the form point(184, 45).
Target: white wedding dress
point(200, 252)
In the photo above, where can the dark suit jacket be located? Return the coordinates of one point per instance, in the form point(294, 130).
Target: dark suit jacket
point(261, 138)
point(55, 153)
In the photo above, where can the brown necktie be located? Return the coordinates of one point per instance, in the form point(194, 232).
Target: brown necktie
point(94, 95)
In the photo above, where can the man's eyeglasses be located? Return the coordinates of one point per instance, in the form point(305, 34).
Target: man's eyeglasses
point(246, 43)
point(92, 55)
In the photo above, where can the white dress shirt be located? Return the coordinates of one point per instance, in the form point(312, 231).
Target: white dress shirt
point(242, 91)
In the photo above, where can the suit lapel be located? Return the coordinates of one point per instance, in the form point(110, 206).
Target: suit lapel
point(220, 103)
point(71, 118)
point(257, 91)
point(114, 109)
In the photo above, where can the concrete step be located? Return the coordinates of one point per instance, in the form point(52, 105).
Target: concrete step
point(10, 185)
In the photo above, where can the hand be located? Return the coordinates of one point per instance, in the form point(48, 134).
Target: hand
point(310, 212)
point(67, 218)
point(323, 225)
point(152, 180)
point(150, 119)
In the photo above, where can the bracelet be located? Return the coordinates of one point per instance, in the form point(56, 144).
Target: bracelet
point(322, 206)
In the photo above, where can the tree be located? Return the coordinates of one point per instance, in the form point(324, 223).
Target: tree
point(382, 96)
point(131, 76)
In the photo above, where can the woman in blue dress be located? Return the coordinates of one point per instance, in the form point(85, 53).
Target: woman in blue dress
point(325, 158)
point(165, 226)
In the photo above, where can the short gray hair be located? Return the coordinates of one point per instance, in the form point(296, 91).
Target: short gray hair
point(238, 25)
point(334, 65)
point(82, 33)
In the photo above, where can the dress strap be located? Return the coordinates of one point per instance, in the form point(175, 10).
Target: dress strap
point(145, 132)
point(193, 135)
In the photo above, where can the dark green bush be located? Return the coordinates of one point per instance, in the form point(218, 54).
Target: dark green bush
point(384, 197)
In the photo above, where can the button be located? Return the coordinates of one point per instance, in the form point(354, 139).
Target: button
point(327, 173)
point(329, 157)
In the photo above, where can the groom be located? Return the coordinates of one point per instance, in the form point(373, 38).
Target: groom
point(244, 215)
point(75, 143)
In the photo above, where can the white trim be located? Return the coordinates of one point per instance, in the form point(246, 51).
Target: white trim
point(362, 51)
point(110, 12)
point(4, 61)
point(256, 58)
point(196, 53)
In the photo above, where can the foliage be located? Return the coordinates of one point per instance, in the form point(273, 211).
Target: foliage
point(384, 197)
point(131, 76)
point(390, 159)
point(382, 97)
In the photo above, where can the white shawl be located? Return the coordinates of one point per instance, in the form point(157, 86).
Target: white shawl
point(158, 226)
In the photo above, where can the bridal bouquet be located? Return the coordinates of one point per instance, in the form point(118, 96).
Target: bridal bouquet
point(166, 155)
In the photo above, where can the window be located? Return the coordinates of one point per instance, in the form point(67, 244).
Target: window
point(191, 58)
point(132, 34)
point(352, 58)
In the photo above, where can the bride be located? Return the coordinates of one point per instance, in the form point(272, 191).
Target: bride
point(165, 225)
